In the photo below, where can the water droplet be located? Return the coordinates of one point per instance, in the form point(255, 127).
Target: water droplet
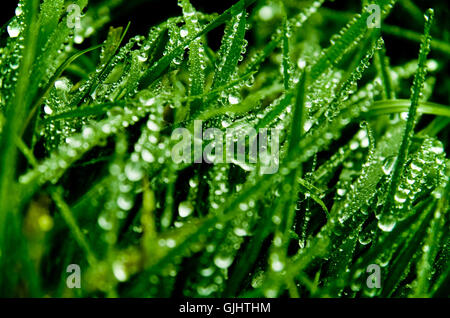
point(364, 240)
point(184, 32)
point(400, 197)
point(13, 29)
point(266, 13)
point(386, 225)
point(277, 266)
point(185, 209)
point(62, 84)
point(87, 132)
point(171, 243)
point(104, 223)
point(133, 171)
point(233, 100)
point(389, 165)
point(119, 271)
point(19, 10)
point(152, 126)
point(270, 293)
point(125, 202)
point(240, 232)
point(48, 110)
point(301, 64)
point(78, 39)
point(147, 101)
point(142, 57)
point(206, 272)
point(147, 156)
point(223, 261)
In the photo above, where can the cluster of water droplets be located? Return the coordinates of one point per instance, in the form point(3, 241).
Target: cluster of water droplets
point(177, 36)
point(56, 131)
point(119, 77)
point(92, 134)
point(422, 174)
point(120, 195)
point(357, 196)
point(197, 54)
point(218, 186)
point(221, 251)
point(350, 86)
point(11, 55)
point(186, 207)
point(16, 25)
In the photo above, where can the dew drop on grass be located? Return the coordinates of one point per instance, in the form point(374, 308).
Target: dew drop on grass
point(388, 165)
point(277, 265)
point(147, 156)
point(87, 132)
point(400, 197)
point(104, 223)
point(133, 171)
point(48, 110)
point(185, 209)
point(243, 206)
point(233, 100)
point(364, 240)
point(184, 32)
point(171, 243)
point(18, 10)
point(206, 272)
point(270, 293)
point(62, 84)
point(307, 126)
point(14, 65)
point(119, 271)
point(386, 225)
point(125, 202)
point(266, 13)
point(14, 29)
point(206, 291)
point(152, 126)
point(240, 231)
point(147, 101)
point(301, 63)
point(78, 39)
point(142, 57)
point(222, 261)
point(193, 183)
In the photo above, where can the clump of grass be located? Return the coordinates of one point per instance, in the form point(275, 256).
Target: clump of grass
point(87, 178)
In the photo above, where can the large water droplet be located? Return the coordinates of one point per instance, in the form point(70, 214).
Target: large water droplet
point(133, 171)
point(386, 225)
point(119, 271)
point(125, 202)
point(185, 209)
point(223, 261)
point(13, 29)
point(184, 32)
point(388, 165)
point(233, 100)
